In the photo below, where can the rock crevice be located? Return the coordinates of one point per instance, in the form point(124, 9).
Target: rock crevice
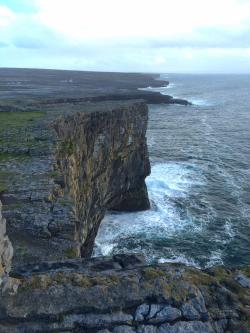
point(123, 294)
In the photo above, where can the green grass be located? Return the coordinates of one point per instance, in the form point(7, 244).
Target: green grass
point(21, 250)
point(71, 253)
point(54, 174)
point(246, 271)
point(10, 120)
point(3, 187)
point(15, 134)
point(6, 157)
point(13, 206)
point(66, 147)
point(4, 176)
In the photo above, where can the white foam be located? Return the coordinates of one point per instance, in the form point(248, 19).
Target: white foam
point(104, 249)
point(173, 179)
point(229, 230)
point(171, 85)
point(198, 101)
point(167, 181)
point(215, 259)
point(179, 259)
point(164, 91)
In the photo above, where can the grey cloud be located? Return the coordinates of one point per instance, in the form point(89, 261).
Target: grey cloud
point(205, 38)
point(30, 34)
point(127, 59)
point(50, 49)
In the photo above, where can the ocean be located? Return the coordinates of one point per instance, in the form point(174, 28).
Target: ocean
point(199, 186)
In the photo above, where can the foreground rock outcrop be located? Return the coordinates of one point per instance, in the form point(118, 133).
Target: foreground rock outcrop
point(120, 294)
point(123, 294)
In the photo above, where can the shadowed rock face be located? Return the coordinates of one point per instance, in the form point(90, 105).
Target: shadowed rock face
point(104, 159)
point(6, 251)
point(57, 187)
point(133, 200)
point(102, 156)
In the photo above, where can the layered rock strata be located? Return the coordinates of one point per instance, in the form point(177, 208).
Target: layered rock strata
point(79, 161)
point(104, 159)
point(121, 294)
point(6, 251)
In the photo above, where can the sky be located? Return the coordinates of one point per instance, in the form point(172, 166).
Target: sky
point(180, 36)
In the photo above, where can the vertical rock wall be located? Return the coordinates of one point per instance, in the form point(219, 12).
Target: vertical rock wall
point(6, 251)
point(104, 158)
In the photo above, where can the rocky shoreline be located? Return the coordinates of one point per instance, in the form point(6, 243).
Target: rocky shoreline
point(73, 145)
point(122, 294)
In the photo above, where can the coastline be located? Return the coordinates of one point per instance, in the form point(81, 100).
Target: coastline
point(81, 168)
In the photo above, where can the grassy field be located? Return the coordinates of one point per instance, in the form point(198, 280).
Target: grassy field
point(14, 134)
point(9, 120)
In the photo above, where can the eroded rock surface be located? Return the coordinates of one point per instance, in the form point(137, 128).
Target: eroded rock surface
point(54, 213)
point(55, 190)
point(104, 159)
point(123, 294)
point(6, 251)
point(58, 190)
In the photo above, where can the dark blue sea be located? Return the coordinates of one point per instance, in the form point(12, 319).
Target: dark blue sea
point(200, 182)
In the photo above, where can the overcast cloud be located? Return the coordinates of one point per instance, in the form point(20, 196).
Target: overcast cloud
point(131, 35)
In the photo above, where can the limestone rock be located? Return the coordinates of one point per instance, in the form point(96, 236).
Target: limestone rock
point(147, 329)
point(98, 320)
point(243, 280)
point(88, 295)
point(104, 158)
point(142, 312)
point(6, 250)
point(123, 329)
point(189, 312)
point(154, 309)
point(167, 313)
point(186, 327)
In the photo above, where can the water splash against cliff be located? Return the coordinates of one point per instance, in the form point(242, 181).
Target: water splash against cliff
point(200, 178)
point(169, 188)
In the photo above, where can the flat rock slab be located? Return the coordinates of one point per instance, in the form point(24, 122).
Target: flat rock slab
point(160, 298)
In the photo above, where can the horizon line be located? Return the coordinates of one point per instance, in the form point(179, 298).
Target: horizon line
point(130, 72)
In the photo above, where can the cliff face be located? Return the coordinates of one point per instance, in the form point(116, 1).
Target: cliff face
point(53, 213)
point(104, 159)
point(6, 251)
point(55, 186)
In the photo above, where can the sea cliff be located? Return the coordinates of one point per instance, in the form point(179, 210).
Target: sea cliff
point(63, 163)
point(104, 159)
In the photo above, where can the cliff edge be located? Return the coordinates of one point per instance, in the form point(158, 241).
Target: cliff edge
point(63, 163)
point(103, 156)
